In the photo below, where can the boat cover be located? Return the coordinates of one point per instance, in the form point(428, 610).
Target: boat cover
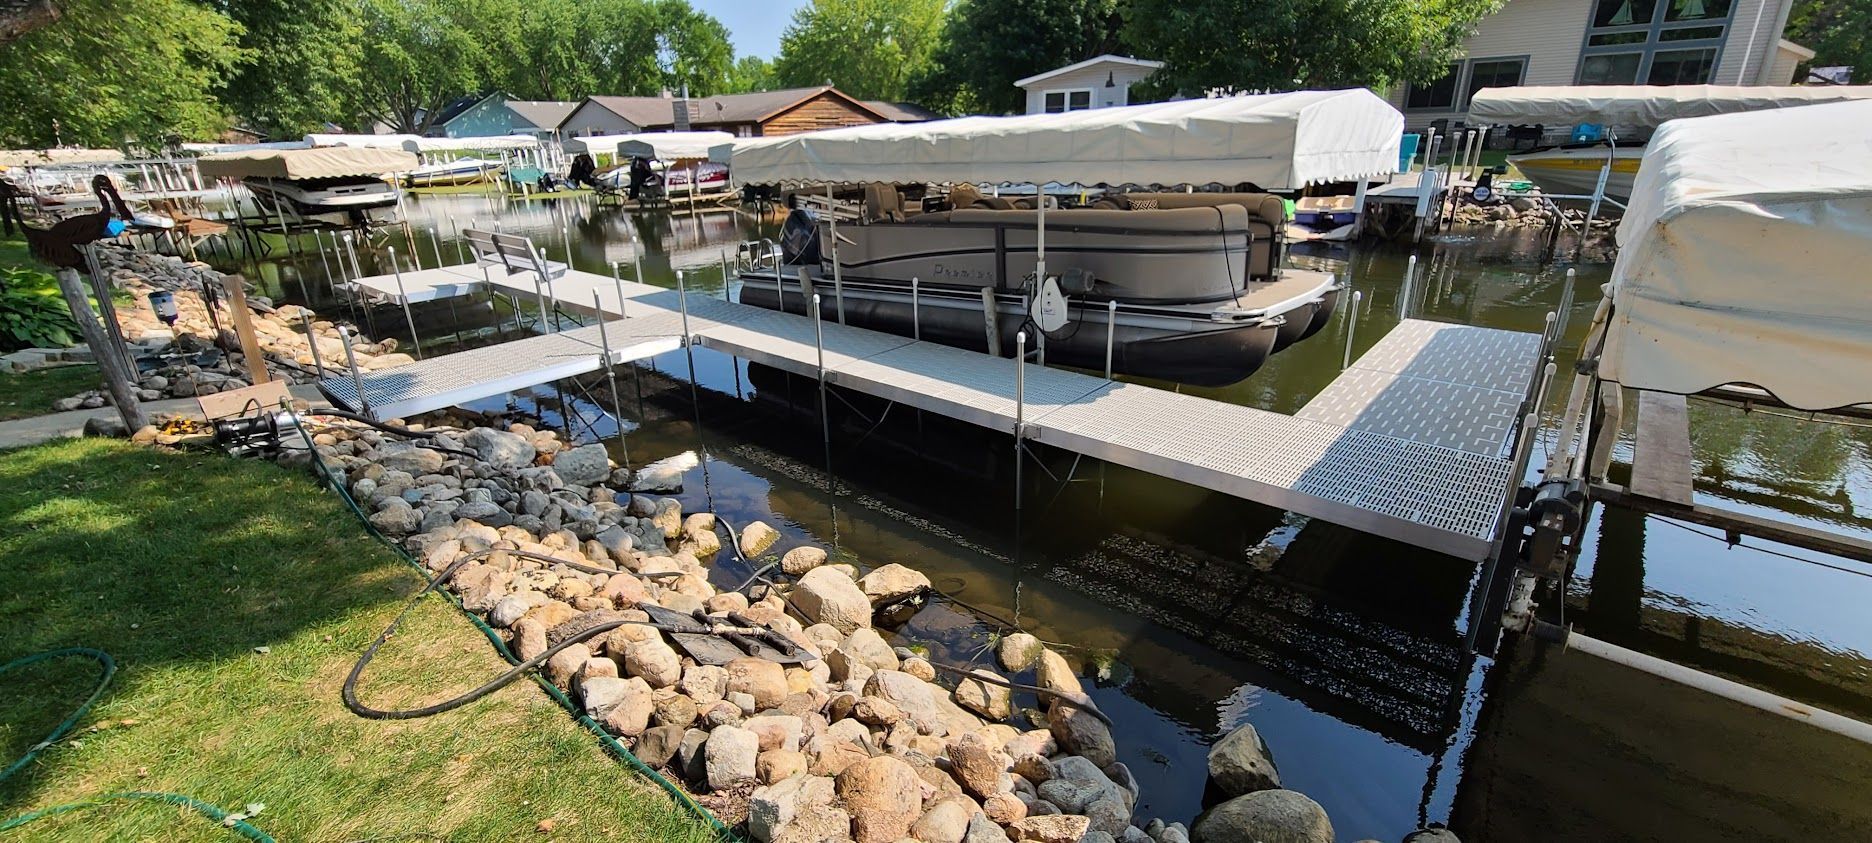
point(492, 142)
point(1743, 258)
point(373, 141)
point(317, 163)
point(659, 145)
point(1643, 105)
point(1275, 141)
point(673, 146)
point(54, 157)
point(212, 148)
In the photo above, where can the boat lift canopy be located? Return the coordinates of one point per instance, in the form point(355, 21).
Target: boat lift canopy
point(1645, 106)
point(216, 148)
point(55, 157)
point(1743, 258)
point(1275, 141)
point(674, 146)
point(490, 143)
point(315, 163)
point(369, 141)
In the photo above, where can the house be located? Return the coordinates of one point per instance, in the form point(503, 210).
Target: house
point(1098, 82)
point(1611, 42)
point(496, 114)
point(765, 113)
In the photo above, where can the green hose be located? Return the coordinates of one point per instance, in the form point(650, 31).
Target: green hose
point(110, 669)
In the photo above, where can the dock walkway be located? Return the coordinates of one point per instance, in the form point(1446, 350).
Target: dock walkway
point(1414, 441)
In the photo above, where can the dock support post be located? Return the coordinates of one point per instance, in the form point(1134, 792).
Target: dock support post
point(1111, 334)
point(619, 283)
point(1351, 328)
point(357, 378)
point(1408, 289)
point(637, 260)
point(1566, 304)
point(1020, 408)
point(1358, 210)
point(318, 363)
point(991, 320)
point(838, 272)
point(461, 247)
point(724, 274)
point(682, 301)
point(916, 314)
point(825, 421)
point(435, 242)
point(403, 295)
point(617, 402)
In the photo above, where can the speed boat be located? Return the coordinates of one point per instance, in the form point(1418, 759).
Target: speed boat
point(355, 199)
point(460, 171)
point(1573, 169)
point(348, 186)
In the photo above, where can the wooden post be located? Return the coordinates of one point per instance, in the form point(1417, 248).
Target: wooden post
point(243, 327)
point(119, 379)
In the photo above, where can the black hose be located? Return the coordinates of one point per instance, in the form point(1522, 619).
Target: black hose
point(1084, 705)
point(395, 431)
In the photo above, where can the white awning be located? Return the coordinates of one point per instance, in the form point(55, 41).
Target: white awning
point(1276, 141)
point(490, 143)
point(1743, 258)
point(368, 141)
point(1643, 105)
point(61, 155)
point(315, 163)
point(672, 146)
point(215, 148)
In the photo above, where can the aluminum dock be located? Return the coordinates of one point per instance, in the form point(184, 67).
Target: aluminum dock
point(1415, 441)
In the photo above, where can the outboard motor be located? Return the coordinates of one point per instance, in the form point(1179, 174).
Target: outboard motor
point(799, 239)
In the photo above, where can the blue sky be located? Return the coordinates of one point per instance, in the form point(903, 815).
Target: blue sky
point(754, 25)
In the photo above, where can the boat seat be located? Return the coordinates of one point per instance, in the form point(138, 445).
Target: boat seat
point(1267, 212)
point(883, 203)
point(993, 203)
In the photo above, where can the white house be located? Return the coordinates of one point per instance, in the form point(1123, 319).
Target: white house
point(1611, 42)
point(1098, 82)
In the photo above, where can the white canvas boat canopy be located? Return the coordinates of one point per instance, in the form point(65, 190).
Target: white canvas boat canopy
point(673, 146)
point(50, 157)
point(479, 144)
point(315, 163)
point(369, 141)
point(1743, 258)
point(215, 148)
point(1643, 105)
point(1276, 141)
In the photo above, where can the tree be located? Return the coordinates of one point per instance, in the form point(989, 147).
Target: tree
point(694, 52)
point(1248, 45)
point(870, 49)
point(416, 56)
point(750, 73)
point(18, 17)
point(303, 59)
point(112, 74)
point(987, 44)
point(1839, 33)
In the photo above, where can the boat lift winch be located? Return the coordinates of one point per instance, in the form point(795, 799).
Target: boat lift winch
point(1772, 320)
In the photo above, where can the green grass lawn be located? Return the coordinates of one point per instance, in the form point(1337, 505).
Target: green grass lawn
point(24, 394)
point(180, 566)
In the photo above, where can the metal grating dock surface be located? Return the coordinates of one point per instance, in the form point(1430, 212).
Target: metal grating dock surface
point(1409, 443)
point(423, 285)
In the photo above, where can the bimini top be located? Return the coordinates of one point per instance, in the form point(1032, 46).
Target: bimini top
point(372, 141)
point(1275, 141)
point(490, 143)
point(1643, 105)
point(672, 146)
point(1743, 258)
point(317, 163)
point(666, 146)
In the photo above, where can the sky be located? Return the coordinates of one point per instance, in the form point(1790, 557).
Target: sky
point(753, 25)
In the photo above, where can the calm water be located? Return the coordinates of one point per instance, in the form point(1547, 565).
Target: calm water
point(1197, 612)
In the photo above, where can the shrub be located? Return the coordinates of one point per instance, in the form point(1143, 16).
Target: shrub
point(32, 313)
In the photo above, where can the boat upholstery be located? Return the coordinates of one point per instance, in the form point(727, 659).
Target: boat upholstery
point(1268, 214)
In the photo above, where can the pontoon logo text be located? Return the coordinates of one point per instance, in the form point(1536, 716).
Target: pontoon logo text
point(942, 271)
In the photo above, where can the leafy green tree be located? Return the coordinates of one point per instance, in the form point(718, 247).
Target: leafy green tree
point(302, 59)
point(1839, 33)
point(418, 55)
point(1248, 45)
point(750, 73)
point(693, 49)
point(987, 44)
point(113, 74)
point(870, 49)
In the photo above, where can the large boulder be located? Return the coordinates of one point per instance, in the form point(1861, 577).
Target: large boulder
point(1080, 733)
point(864, 645)
point(892, 583)
point(979, 766)
point(730, 756)
point(658, 745)
point(1055, 674)
point(582, 466)
point(631, 715)
point(1056, 828)
point(775, 807)
point(1018, 651)
point(653, 660)
point(760, 678)
point(1268, 816)
point(756, 537)
point(500, 448)
point(945, 822)
point(404, 456)
point(914, 697)
point(884, 797)
point(981, 829)
point(801, 559)
point(984, 697)
point(827, 595)
point(1240, 763)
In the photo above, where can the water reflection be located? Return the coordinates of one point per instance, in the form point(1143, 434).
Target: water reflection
point(1197, 611)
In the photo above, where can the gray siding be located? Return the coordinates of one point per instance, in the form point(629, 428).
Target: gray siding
point(1122, 76)
point(594, 119)
point(1547, 32)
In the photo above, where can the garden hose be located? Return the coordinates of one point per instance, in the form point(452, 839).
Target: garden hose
point(235, 824)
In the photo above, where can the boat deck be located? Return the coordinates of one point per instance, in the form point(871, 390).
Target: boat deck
point(1413, 442)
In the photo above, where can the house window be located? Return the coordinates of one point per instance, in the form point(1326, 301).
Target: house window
point(1657, 42)
point(1078, 99)
point(1436, 96)
point(1493, 73)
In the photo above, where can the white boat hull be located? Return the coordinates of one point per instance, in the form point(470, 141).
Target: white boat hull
point(1575, 171)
